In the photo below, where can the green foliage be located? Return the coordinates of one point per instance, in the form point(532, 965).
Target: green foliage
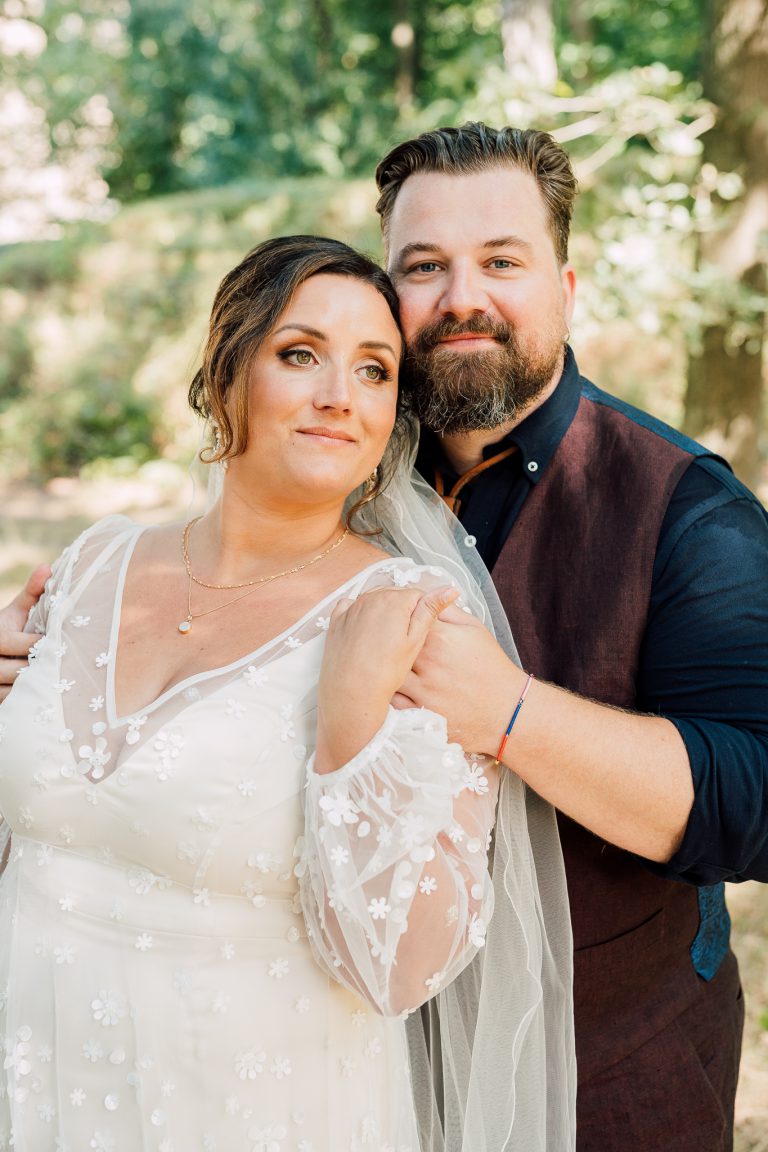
point(206, 93)
point(32, 267)
point(201, 113)
point(16, 361)
point(95, 366)
point(63, 405)
point(92, 413)
point(599, 37)
point(202, 94)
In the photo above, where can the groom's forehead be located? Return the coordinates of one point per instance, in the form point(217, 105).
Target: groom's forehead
point(435, 209)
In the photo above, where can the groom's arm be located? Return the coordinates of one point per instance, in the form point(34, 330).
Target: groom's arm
point(15, 643)
point(682, 783)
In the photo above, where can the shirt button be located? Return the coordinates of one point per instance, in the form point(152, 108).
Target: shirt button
point(470, 541)
point(533, 466)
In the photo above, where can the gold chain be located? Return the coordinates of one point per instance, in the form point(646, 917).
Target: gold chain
point(185, 626)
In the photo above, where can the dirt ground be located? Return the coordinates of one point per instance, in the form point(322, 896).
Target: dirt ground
point(748, 904)
point(35, 525)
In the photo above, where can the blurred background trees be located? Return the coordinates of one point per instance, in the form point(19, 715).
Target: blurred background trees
point(724, 396)
point(146, 144)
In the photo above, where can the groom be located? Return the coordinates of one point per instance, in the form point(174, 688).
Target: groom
point(633, 568)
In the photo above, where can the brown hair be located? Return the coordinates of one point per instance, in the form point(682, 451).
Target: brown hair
point(475, 147)
point(248, 304)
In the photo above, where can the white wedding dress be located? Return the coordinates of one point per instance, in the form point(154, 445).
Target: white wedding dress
point(204, 944)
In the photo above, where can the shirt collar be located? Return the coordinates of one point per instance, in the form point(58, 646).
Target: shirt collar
point(537, 437)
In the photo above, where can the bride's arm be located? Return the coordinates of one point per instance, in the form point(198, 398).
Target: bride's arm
point(395, 884)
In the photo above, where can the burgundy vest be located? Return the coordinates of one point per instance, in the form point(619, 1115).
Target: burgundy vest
point(574, 578)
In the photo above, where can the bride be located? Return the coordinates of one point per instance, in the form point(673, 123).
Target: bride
point(233, 868)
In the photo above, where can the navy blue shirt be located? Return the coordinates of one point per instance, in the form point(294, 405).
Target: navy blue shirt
point(704, 660)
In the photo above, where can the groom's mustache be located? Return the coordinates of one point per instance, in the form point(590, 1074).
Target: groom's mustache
point(481, 324)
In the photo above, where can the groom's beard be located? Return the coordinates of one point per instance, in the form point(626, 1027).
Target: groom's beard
point(452, 391)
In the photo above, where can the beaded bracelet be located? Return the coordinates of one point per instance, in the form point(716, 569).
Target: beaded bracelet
point(515, 714)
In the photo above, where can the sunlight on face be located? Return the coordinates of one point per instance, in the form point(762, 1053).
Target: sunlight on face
point(485, 305)
point(322, 392)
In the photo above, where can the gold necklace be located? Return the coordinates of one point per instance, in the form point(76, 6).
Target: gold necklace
point(185, 626)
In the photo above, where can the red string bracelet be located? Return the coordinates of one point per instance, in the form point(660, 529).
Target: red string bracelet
point(515, 714)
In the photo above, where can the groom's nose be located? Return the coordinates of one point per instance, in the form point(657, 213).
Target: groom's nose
point(463, 293)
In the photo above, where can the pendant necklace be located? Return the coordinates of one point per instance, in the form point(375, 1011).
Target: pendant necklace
point(185, 626)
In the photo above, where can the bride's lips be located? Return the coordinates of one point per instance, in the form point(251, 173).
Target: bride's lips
point(327, 434)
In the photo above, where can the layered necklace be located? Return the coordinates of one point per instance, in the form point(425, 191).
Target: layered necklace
point(185, 626)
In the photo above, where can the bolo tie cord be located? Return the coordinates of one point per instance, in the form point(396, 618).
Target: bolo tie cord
point(451, 499)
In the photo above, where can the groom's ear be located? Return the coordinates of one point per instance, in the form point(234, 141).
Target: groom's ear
point(568, 283)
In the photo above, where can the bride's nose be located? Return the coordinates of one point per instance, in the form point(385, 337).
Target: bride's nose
point(334, 388)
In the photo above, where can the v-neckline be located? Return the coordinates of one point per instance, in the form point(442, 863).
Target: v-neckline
point(117, 720)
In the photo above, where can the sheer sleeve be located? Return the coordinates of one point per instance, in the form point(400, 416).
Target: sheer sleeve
point(37, 621)
point(56, 590)
point(395, 886)
point(71, 565)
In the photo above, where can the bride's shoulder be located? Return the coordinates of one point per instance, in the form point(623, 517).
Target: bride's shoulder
point(101, 533)
point(387, 571)
point(84, 554)
point(378, 568)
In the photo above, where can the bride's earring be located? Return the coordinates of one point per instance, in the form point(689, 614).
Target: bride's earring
point(372, 485)
point(217, 446)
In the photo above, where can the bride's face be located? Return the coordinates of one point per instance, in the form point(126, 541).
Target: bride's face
point(322, 392)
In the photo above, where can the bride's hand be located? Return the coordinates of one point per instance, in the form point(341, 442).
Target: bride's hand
point(14, 641)
point(371, 645)
point(463, 674)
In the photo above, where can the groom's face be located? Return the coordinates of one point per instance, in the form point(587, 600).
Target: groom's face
point(484, 303)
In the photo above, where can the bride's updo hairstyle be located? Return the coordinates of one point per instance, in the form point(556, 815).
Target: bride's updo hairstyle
point(248, 305)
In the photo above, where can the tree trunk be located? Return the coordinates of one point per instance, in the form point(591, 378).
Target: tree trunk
point(579, 22)
point(528, 40)
point(404, 38)
point(724, 397)
point(324, 36)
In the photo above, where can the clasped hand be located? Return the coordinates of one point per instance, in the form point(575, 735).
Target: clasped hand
point(14, 642)
point(371, 646)
point(410, 649)
point(463, 673)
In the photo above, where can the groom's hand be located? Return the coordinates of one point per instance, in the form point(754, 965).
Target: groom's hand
point(15, 643)
point(462, 673)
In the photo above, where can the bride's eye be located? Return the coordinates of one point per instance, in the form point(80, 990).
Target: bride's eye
point(376, 373)
point(300, 356)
